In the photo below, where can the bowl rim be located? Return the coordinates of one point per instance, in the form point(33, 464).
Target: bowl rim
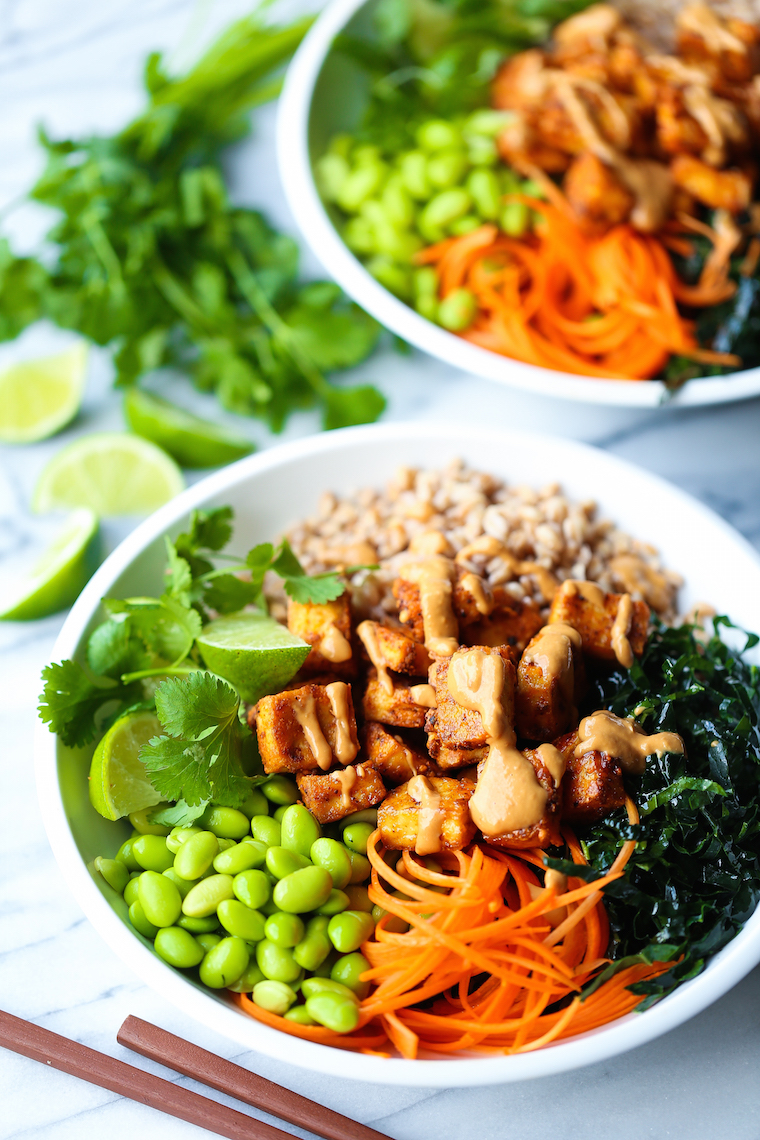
point(724, 971)
point(294, 162)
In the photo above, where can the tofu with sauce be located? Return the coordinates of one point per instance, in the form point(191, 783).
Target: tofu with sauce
point(545, 833)
point(326, 627)
point(472, 597)
point(396, 649)
point(331, 796)
point(592, 612)
point(511, 623)
point(397, 708)
point(292, 726)
point(546, 701)
point(719, 189)
point(456, 736)
point(407, 597)
point(398, 816)
point(390, 755)
point(592, 786)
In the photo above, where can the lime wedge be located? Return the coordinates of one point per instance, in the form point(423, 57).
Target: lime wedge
point(39, 397)
point(118, 783)
point(112, 473)
point(190, 440)
point(253, 652)
point(59, 577)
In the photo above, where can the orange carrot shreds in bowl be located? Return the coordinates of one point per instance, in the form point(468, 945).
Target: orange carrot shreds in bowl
point(601, 306)
point(493, 959)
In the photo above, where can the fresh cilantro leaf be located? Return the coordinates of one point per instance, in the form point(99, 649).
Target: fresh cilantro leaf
point(178, 573)
point(320, 589)
point(180, 814)
point(196, 707)
point(227, 594)
point(259, 559)
point(109, 645)
point(344, 407)
point(177, 769)
point(285, 562)
point(69, 702)
point(209, 530)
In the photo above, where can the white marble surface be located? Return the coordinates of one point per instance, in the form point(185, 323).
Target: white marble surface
point(76, 67)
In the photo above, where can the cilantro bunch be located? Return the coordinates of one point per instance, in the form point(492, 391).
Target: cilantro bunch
point(150, 257)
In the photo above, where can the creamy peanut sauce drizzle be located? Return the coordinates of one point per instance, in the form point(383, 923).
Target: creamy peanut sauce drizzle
point(424, 695)
point(589, 591)
point(345, 747)
point(430, 816)
point(621, 646)
point(483, 598)
point(305, 712)
point(507, 796)
point(554, 761)
point(492, 547)
point(433, 576)
point(347, 779)
point(334, 646)
point(408, 755)
point(367, 634)
point(552, 650)
point(605, 732)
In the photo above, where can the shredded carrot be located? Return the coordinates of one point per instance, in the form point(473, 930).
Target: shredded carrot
point(565, 299)
point(480, 968)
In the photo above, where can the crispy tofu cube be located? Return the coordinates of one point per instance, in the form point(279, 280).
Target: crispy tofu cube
point(511, 622)
point(592, 786)
point(596, 194)
point(455, 728)
point(398, 650)
point(283, 742)
point(588, 609)
point(397, 708)
point(391, 756)
point(719, 189)
point(333, 795)
point(545, 833)
point(326, 626)
point(449, 758)
point(545, 704)
point(472, 597)
point(407, 596)
point(398, 816)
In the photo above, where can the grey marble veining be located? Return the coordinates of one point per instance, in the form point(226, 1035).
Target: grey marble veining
point(77, 68)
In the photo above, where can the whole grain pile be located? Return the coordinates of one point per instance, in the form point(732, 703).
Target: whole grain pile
point(545, 538)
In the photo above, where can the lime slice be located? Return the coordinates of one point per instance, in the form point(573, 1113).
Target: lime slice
point(253, 652)
point(113, 473)
point(118, 783)
point(39, 397)
point(59, 577)
point(192, 441)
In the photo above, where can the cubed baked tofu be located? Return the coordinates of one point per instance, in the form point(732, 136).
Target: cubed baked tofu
point(472, 597)
point(596, 194)
point(719, 189)
point(592, 786)
point(450, 758)
point(397, 708)
point(326, 626)
point(391, 756)
point(283, 743)
point(545, 704)
point(594, 619)
point(398, 816)
point(451, 726)
point(333, 795)
point(511, 623)
point(546, 832)
point(407, 596)
point(399, 651)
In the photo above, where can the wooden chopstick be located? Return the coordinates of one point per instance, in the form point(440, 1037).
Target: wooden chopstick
point(226, 1077)
point(99, 1069)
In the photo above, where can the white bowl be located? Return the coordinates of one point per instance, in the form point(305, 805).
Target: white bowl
point(325, 94)
point(272, 490)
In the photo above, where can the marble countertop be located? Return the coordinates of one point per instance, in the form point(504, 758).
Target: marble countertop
point(77, 68)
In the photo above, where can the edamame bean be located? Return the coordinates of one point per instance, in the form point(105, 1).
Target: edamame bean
point(280, 790)
point(482, 151)
point(159, 898)
point(334, 857)
point(256, 804)
point(196, 855)
point(533, 189)
point(300, 1015)
point(334, 1011)
point(425, 281)
point(252, 888)
point(266, 830)
point(284, 929)
point(131, 889)
point(281, 862)
point(178, 948)
point(369, 815)
point(438, 134)
point(183, 885)
point(178, 836)
point(299, 829)
point(303, 890)
point(242, 857)
point(279, 812)
point(208, 941)
point(348, 930)
point(514, 218)
point(485, 191)
point(393, 924)
point(198, 925)
point(414, 177)
point(141, 822)
point(311, 986)
point(395, 278)
point(341, 144)
point(206, 895)
point(335, 902)
point(247, 980)
point(258, 847)
point(443, 209)
point(362, 182)
point(331, 171)
point(347, 971)
point(225, 822)
point(114, 872)
point(224, 963)
point(465, 225)
point(225, 844)
point(276, 997)
point(487, 122)
point(360, 867)
point(277, 962)
point(140, 922)
point(358, 898)
point(126, 855)
point(315, 946)
point(427, 307)
point(397, 202)
point(369, 153)
point(355, 837)
point(359, 235)
point(151, 853)
point(400, 245)
point(457, 310)
point(446, 168)
point(240, 920)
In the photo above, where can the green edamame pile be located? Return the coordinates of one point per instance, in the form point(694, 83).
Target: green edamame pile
point(393, 205)
point(259, 903)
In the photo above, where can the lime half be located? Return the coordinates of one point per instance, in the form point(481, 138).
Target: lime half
point(192, 441)
point(112, 473)
point(39, 397)
point(118, 782)
point(59, 577)
point(253, 652)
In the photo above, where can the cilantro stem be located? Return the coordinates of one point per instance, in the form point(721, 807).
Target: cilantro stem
point(164, 671)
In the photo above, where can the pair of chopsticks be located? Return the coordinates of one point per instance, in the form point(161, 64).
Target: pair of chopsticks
point(157, 1044)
